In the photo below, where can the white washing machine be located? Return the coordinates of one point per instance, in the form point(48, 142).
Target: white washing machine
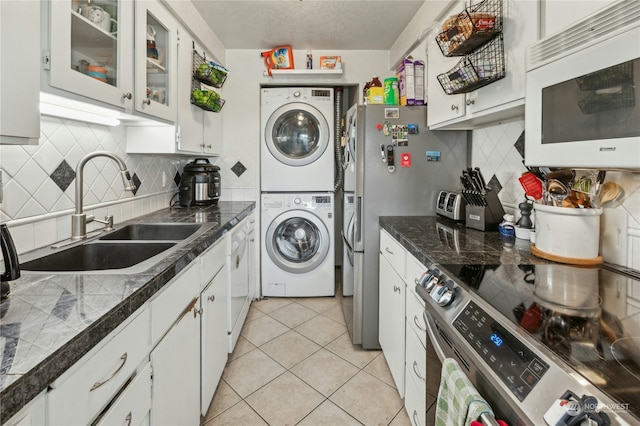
point(297, 247)
point(297, 147)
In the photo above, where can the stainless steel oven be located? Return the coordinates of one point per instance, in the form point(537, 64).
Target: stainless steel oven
point(540, 342)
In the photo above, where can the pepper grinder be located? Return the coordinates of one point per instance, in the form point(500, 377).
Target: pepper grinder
point(525, 215)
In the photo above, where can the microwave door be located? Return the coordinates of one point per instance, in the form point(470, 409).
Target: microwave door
point(583, 108)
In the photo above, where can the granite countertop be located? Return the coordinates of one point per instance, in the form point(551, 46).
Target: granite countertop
point(49, 321)
point(434, 239)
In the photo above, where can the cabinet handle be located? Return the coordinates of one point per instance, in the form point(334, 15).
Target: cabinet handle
point(211, 298)
point(415, 419)
point(471, 101)
point(146, 102)
point(454, 107)
point(396, 289)
point(128, 418)
point(416, 321)
point(96, 385)
point(127, 95)
point(415, 370)
point(387, 250)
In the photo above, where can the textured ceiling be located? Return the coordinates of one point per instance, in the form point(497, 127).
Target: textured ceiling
point(308, 24)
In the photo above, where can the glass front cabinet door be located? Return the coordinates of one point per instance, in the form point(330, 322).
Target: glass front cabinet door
point(156, 41)
point(92, 49)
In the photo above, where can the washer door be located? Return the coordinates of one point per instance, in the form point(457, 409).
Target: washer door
point(297, 241)
point(297, 134)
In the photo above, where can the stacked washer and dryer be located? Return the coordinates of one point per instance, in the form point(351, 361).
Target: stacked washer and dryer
point(297, 183)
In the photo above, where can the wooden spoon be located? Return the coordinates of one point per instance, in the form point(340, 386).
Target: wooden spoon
point(608, 192)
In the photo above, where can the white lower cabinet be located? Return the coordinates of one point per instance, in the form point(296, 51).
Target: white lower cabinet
point(81, 394)
point(175, 392)
point(175, 358)
point(403, 332)
point(415, 377)
point(416, 348)
point(391, 311)
point(34, 413)
point(213, 302)
point(133, 405)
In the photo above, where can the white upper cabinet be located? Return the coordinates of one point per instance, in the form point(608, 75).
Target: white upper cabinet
point(156, 56)
point(199, 130)
point(20, 47)
point(501, 99)
point(91, 49)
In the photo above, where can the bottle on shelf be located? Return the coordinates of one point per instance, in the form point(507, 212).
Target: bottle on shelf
point(309, 60)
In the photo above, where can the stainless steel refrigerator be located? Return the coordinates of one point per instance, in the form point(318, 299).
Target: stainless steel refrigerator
point(424, 162)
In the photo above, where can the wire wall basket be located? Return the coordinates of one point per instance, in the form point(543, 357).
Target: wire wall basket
point(205, 97)
point(470, 29)
point(475, 70)
point(208, 72)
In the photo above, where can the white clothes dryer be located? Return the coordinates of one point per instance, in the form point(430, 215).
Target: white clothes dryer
point(297, 139)
point(297, 244)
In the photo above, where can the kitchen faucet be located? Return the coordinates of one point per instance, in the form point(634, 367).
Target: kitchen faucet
point(79, 220)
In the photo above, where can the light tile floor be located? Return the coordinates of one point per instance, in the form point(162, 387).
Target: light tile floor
point(294, 364)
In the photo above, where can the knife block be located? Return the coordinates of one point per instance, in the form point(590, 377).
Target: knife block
point(485, 217)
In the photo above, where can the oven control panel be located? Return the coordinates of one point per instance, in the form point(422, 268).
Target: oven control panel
point(517, 366)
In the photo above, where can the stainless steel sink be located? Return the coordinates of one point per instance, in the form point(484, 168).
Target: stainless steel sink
point(97, 256)
point(153, 231)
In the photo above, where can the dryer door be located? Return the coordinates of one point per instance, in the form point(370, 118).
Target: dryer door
point(297, 241)
point(297, 134)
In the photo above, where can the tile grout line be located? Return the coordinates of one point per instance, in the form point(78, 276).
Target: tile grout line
point(286, 369)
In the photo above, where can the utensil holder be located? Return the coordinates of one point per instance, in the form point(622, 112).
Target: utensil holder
point(486, 214)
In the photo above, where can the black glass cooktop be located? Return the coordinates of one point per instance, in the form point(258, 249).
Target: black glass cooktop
point(588, 316)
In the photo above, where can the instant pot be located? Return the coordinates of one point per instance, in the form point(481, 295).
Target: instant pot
point(199, 184)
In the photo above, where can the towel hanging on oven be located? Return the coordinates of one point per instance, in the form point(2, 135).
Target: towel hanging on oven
point(459, 403)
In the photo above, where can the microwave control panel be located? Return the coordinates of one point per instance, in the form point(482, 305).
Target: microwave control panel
point(517, 366)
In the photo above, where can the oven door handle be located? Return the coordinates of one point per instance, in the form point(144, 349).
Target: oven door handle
point(433, 336)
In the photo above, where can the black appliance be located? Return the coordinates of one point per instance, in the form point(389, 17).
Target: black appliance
point(11, 263)
point(528, 334)
point(199, 184)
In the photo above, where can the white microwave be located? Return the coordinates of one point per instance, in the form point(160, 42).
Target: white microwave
point(582, 105)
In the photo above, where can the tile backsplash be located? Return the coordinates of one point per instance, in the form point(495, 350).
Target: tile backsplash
point(39, 181)
point(499, 150)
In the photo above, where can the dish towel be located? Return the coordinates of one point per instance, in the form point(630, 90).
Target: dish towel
point(459, 403)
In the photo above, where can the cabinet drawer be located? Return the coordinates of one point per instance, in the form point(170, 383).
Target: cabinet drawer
point(393, 252)
point(415, 269)
point(78, 397)
point(415, 401)
point(212, 260)
point(167, 306)
point(415, 315)
point(133, 406)
point(416, 359)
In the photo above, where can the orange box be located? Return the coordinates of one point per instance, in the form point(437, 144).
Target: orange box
point(330, 62)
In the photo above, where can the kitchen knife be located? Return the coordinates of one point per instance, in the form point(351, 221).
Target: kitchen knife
point(467, 177)
point(484, 182)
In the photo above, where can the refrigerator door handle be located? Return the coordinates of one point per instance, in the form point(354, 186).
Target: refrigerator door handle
point(358, 215)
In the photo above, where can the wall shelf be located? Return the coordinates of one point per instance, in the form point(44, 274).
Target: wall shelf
point(304, 73)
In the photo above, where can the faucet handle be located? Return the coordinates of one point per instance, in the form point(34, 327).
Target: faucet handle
point(108, 222)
